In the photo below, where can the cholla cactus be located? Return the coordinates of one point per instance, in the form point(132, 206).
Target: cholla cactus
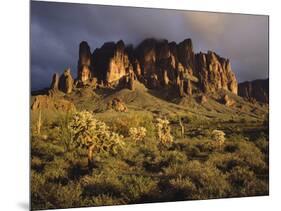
point(137, 133)
point(93, 134)
point(218, 136)
point(164, 131)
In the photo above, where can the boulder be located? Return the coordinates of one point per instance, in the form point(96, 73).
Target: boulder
point(117, 105)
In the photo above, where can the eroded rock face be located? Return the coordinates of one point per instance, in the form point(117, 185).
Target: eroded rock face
point(131, 79)
point(111, 62)
point(84, 54)
point(66, 82)
point(165, 62)
point(159, 63)
point(185, 53)
point(202, 99)
point(55, 82)
point(155, 63)
point(214, 73)
point(84, 66)
point(137, 69)
point(228, 101)
point(84, 74)
point(257, 90)
point(42, 102)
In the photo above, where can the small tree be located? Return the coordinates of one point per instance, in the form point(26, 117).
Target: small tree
point(137, 133)
point(90, 133)
point(164, 131)
point(218, 136)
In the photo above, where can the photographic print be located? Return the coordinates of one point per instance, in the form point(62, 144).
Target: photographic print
point(136, 105)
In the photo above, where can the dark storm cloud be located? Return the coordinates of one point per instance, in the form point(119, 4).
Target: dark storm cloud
point(58, 28)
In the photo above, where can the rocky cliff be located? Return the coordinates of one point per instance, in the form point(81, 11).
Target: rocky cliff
point(84, 67)
point(110, 62)
point(159, 63)
point(255, 90)
point(215, 73)
point(155, 63)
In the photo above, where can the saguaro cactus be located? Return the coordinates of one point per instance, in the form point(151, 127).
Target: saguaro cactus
point(182, 127)
point(39, 122)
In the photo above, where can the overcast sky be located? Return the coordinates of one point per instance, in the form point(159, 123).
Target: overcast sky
point(58, 28)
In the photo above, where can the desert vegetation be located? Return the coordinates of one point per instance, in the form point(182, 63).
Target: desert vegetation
point(86, 159)
point(150, 123)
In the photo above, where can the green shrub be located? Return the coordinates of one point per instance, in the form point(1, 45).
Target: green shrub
point(173, 157)
point(252, 156)
point(105, 200)
point(209, 181)
point(47, 195)
point(263, 145)
point(61, 196)
point(57, 171)
point(98, 184)
point(65, 135)
point(231, 147)
point(46, 150)
point(225, 162)
point(37, 164)
point(180, 189)
point(135, 188)
point(38, 190)
point(122, 122)
point(245, 183)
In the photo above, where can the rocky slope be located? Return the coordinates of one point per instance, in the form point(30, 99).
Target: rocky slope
point(255, 90)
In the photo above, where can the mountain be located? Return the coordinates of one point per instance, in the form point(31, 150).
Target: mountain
point(255, 90)
point(155, 63)
point(157, 76)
